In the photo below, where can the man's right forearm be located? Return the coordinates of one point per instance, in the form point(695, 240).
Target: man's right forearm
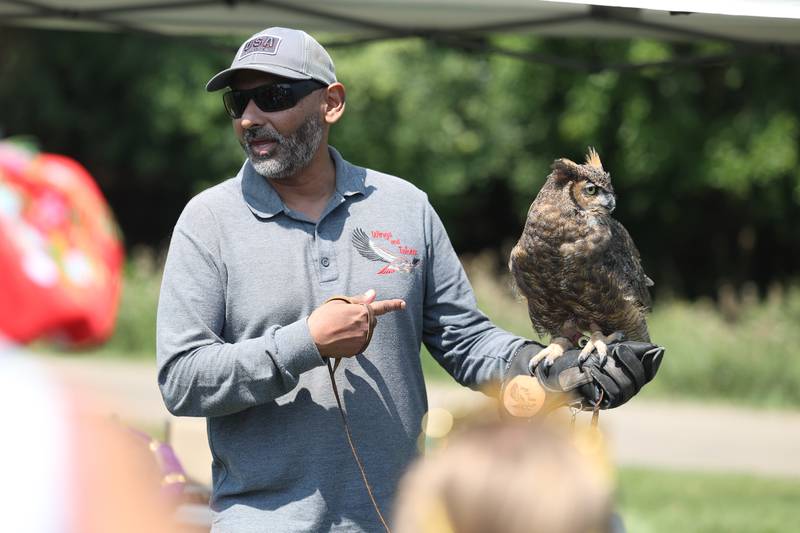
point(201, 373)
point(216, 378)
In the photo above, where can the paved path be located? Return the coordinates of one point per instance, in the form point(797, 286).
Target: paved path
point(642, 433)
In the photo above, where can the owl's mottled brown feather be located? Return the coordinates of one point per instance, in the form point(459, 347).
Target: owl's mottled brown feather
point(574, 263)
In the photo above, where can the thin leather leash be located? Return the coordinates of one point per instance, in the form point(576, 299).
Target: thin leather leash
point(345, 422)
point(580, 341)
point(596, 410)
point(576, 407)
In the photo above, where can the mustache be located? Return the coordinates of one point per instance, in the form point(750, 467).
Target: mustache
point(263, 133)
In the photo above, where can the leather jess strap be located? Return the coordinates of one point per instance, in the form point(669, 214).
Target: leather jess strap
point(345, 422)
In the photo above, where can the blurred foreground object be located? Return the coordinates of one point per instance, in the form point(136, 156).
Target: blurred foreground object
point(510, 477)
point(67, 470)
point(60, 253)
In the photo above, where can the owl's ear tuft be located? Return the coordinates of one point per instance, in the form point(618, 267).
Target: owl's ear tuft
point(593, 159)
point(566, 170)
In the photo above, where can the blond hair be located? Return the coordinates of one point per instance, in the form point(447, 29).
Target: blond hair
point(508, 477)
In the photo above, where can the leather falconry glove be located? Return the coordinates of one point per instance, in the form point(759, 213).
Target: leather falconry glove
point(526, 393)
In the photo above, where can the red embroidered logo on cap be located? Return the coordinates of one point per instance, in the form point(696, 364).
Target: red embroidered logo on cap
point(403, 260)
point(266, 44)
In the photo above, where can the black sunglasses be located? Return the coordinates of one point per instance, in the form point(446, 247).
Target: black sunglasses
point(270, 97)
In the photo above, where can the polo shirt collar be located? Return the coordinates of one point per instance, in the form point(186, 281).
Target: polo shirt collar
point(349, 178)
point(264, 202)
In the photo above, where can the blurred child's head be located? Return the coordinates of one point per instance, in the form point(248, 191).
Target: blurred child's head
point(509, 477)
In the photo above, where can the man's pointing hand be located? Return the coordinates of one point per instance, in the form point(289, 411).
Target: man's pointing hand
point(343, 325)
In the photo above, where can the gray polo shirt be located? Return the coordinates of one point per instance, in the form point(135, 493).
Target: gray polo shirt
point(242, 275)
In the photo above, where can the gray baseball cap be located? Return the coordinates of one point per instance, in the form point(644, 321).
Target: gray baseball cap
point(285, 52)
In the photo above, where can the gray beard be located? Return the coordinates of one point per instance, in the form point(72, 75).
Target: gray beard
point(292, 154)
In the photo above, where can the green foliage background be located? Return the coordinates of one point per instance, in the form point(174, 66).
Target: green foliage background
point(704, 159)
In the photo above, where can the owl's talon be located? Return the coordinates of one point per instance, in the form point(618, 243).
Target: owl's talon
point(598, 343)
point(549, 354)
point(602, 348)
point(535, 360)
point(587, 350)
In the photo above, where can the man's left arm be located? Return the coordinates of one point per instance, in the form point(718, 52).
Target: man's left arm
point(458, 335)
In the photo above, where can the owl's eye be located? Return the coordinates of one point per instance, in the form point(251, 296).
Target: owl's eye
point(590, 189)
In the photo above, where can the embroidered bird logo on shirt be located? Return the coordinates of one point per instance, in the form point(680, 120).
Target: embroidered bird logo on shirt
point(402, 261)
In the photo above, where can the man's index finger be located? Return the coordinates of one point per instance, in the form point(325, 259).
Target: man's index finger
point(381, 307)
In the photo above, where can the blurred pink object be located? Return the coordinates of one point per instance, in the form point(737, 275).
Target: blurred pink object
point(60, 252)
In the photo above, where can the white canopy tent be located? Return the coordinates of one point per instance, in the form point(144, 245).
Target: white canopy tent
point(749, 25)
point(756, 21)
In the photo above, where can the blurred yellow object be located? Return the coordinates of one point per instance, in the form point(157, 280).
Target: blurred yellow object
point(437, 423)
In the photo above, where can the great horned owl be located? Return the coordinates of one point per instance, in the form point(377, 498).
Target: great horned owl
point(577, 266)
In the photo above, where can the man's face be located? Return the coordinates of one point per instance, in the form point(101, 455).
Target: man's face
point(279, 144)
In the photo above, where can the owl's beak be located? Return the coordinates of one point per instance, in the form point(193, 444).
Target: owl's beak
point(610, 203)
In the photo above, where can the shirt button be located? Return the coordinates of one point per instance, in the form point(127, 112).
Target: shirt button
point(325, 262)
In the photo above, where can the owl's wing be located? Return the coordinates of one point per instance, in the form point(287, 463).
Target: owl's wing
point(523, 267)
point(624, 263)
point(367, 248)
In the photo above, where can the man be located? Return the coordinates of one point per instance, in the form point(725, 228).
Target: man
point(245, 323)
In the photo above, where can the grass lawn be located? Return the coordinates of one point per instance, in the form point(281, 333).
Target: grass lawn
point(655, 501)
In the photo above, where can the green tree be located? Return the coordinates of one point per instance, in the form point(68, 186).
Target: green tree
point(704, 159)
